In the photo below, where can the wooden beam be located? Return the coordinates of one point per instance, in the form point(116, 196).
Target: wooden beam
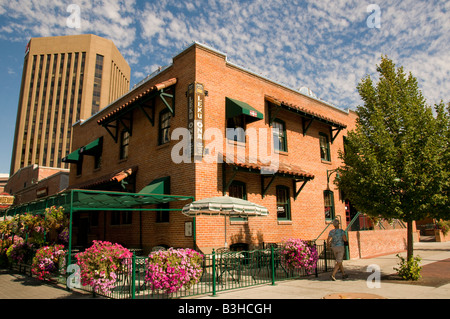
point(265, 189)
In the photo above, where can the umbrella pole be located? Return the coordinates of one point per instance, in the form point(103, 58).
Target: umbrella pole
point(225, 218)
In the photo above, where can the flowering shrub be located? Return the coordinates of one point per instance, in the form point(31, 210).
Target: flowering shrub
point(63, 236)
point(20, 252)
point(47, 260)
point(56, 218)
point(101, 263)
point(173, 269)
point(5, 244)
point(297, 253)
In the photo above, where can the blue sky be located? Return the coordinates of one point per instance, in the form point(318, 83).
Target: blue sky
point(327, 46)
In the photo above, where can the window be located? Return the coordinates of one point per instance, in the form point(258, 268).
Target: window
point(283, 203)
point(324, 147)
point(124, 141)
point(236, 128)
point(238, 189)
point(115, 218)
point(164, 127)
point(79, 166)
point(93, 218)
point(162, 216)
point(279, 137)
point(97, 84)
point(97, 160)
point(127, 218)
point(328, 199)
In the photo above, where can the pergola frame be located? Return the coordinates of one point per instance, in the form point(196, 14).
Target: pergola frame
point(76, 200)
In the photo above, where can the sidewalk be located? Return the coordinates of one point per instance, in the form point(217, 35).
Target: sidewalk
point(18, 286)
point(434, 284)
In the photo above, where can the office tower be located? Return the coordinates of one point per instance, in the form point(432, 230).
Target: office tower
point(64, 79)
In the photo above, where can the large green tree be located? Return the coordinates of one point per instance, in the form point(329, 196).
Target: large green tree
point(396, 161)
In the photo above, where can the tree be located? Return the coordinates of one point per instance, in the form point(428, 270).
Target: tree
point(396, 161)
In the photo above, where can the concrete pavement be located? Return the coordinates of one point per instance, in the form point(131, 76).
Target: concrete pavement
point(435, 283)
point(361, 283)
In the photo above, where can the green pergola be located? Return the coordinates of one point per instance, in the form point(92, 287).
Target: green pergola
point(76, 200)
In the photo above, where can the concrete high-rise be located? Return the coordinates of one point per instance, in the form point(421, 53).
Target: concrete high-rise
point(64, 79)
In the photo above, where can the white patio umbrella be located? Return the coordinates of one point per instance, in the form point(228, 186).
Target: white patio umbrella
point(226, 206)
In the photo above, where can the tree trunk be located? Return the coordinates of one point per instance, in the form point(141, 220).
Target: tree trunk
point(410, 240)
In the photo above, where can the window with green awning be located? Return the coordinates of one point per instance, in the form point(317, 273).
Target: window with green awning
point(92, 148)
point(73, 157)
point(157, 186)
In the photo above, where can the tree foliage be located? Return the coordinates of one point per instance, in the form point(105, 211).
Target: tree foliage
point(396, 161)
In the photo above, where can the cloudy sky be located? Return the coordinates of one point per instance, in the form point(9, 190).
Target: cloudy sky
point(327, 46)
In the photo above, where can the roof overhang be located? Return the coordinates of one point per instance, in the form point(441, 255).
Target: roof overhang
point(143, 101)
point(307, 116)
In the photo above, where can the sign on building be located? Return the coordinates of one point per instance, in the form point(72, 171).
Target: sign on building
point(196, 107)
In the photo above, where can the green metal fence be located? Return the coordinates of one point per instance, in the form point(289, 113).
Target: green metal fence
point(221, 271)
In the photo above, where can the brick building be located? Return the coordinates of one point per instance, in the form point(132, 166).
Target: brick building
point(35, 182)
point(139, 141)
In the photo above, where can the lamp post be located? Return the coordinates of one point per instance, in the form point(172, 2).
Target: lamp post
point(329, 173)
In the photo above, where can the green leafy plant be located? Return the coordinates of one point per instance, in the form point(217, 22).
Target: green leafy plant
point(444, 226)
point(409, 269)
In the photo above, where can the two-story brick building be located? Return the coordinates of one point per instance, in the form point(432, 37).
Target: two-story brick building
point(140, 141)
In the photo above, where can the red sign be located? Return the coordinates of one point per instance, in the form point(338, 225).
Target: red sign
point(6, 200)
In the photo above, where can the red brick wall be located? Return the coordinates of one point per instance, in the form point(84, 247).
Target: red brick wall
point(371, 243)
point(28, 180)
point(203, 180)
point(223, 80)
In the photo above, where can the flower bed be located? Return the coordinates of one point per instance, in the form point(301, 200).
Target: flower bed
point(101, 263)
point(297, 253)
point(173, 269)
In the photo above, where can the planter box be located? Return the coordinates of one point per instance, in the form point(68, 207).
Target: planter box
point(440, 237)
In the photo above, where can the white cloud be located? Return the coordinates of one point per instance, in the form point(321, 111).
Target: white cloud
point(325, 45)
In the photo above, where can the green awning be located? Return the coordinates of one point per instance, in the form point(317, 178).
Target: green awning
point(73, 157)
point(91, 200)
point(157, 186)
point(92, 148)
point(236, 108)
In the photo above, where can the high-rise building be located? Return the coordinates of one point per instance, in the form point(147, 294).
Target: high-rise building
point(64, 79)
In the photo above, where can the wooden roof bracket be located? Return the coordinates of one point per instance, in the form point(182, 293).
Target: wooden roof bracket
point(225, 184)
point(295, 181)
point(266, 188)
point(306, 124)
point(337, 130)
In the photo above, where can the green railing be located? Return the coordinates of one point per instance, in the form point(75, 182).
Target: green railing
point(221, 271)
